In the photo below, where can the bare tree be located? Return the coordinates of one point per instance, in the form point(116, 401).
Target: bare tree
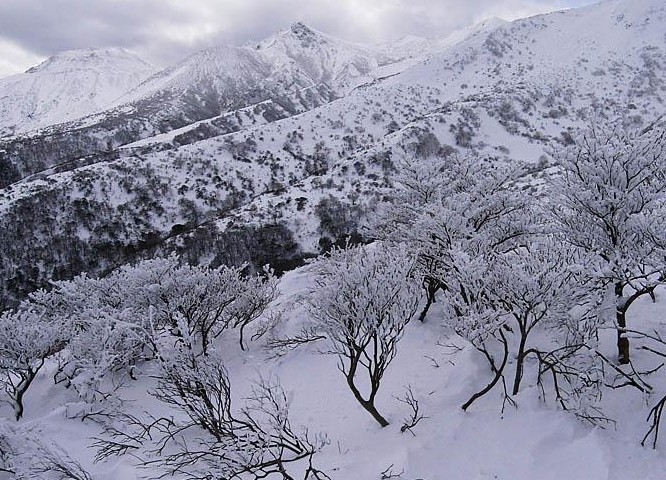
point(415, 415)
point(362, 301)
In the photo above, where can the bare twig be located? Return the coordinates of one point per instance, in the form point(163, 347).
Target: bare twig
point(415, 416)
point(280, 346)
point(655, 417)
point(388, 473)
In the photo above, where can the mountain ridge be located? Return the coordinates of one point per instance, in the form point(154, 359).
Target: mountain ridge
point(281, 79)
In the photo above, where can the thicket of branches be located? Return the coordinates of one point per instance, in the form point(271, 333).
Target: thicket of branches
point(206, 437)
point(25, 456)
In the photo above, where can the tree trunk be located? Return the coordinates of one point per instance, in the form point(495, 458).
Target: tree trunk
point(519, 363)
point(26, 380)
point(368, 405)
point(621, 320)
point(431, 287)
point(18, 404)
point(372, 410)
point(498, 371)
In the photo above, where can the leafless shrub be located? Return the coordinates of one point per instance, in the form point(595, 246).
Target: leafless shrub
point(415, 415)
point(207, 438)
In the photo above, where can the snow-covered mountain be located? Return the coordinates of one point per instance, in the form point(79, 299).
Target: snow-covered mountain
point(275, 178)
point(67, 86)
point(416, 47)
point(298, 58)
point(291, 72)
point(270, 154)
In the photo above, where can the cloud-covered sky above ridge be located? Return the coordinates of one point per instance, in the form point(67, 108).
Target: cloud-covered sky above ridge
point(164, 31)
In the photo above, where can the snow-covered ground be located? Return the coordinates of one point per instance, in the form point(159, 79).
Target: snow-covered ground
point(534, 440)
point(514, 89)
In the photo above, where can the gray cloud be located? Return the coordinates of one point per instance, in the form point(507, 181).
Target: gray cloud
point(166, 30)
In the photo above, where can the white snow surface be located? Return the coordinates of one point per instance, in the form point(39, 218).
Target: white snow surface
point(548, 64)
point(78, 83)
point(586, 51)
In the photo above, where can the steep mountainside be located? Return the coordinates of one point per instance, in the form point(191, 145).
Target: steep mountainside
point(291, 72)
point(299, 57)
point(68, 86)
point(276, 190)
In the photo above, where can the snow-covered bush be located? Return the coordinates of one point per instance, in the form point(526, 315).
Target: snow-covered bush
point(26, 457)
point(27, 339)
point(610, 201)
point(457, 203)
point(485, 245)
point(362, 300)
point(105, 334)
point(120, 320)
point(210, 301)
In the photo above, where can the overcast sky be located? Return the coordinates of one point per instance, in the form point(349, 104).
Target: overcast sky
point(164, 31)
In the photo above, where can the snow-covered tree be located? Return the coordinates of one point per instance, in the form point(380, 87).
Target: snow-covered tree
point(482, 240)
point(497, 300)
point(105, 334)
point(120, 320)
point(610, 201)
point(27, 339)
point(107, 346)
point(457, 203)
point(362, 300)
point(210, 300)
point(533, 286)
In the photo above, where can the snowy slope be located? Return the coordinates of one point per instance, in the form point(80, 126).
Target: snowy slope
point(532, 441)
point(321, 57)
point(291, 72)
point(273, 190)
point(413, 46)
point(67, 86)
point(512, 92)
point(602, 52)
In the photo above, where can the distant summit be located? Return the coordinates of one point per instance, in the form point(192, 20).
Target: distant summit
point(66, 86)
point(88, 58)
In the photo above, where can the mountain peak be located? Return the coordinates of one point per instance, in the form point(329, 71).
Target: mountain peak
point(67, 86)
point(87, 58)
point(302, 31)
